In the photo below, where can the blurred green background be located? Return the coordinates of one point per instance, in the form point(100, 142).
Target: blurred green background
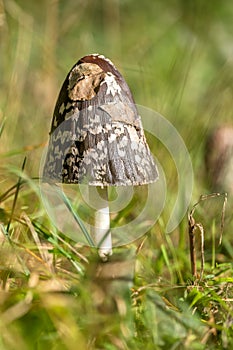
point(177, 57)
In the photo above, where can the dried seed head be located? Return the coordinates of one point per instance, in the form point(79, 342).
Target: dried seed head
point(96, 133)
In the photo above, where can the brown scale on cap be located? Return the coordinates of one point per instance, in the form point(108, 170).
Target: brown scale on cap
point(96, 133)
point(84, 81)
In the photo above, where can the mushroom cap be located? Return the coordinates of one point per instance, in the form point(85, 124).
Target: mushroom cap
point(96, 134)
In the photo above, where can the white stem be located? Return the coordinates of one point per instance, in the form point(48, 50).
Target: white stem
point(101, 229)
point(103, 237)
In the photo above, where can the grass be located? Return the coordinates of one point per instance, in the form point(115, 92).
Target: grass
point(176, 56)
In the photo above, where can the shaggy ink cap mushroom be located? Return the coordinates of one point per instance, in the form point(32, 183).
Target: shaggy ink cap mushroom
point(219, 158)
point(96, 135)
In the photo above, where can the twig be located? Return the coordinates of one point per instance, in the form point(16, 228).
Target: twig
point(223, 217)
point(192, 226)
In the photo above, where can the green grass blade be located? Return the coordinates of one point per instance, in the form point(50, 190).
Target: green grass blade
point(77, 218)
point(16, 197)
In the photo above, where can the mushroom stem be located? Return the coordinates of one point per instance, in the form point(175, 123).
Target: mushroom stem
point(101, 228)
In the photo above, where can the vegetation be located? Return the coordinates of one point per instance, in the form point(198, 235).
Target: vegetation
point(177, 58)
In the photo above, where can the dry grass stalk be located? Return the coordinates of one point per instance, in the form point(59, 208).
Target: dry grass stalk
point(192, 228)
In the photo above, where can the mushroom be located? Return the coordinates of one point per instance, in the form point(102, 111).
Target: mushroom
point(219, 158)
point(97, 138)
